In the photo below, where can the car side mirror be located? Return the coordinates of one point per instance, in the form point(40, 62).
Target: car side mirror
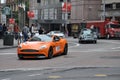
point(56, 39)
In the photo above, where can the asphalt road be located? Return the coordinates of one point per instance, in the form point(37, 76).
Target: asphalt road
point(86, 61)
point(76, 73)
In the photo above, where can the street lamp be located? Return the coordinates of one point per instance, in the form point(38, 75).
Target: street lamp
point(66, 31)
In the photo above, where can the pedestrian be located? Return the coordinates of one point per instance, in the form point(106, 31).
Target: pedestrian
point(16, 30)
point(4, 28)
point(40, 31)
point(25, 32)
point(1, 30)
point(34, 29)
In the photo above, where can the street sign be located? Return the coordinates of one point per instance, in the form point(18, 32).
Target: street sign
point(66, 6)
point(6, 11)
point(30, 14)
point(35, 12)
point(11, 20)
point(3, 18)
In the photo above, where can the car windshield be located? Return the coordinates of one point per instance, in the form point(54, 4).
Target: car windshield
point(115, 25)
point(44, 38)
point(56, 32)
point(86, 31)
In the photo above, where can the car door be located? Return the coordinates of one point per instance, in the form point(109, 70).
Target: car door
point(57, 47)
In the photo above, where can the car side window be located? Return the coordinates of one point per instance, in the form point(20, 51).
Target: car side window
point(35, 39)
point(56, 38)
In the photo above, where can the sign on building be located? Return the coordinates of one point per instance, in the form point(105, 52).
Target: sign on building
point(3, 18)
point(6, 11)
point(35, 15)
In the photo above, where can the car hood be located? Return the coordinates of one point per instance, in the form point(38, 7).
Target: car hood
point(33, 44)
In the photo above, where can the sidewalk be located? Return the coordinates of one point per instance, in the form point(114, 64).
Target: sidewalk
point(15, 44)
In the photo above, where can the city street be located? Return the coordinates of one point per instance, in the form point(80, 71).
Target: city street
point(84, 61)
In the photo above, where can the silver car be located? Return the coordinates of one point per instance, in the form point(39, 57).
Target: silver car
point(87, 35)
point(57, 33)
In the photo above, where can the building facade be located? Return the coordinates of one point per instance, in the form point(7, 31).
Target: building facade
point(111, 9)
point(51, 16)
point(18, 11)
point(48, 13)
point(13, 5)
point(87, 10)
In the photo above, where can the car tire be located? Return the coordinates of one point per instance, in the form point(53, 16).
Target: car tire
point(80, 41)
point(50, 53)
point(95, 41)
point(20, 57)
point(65, 49)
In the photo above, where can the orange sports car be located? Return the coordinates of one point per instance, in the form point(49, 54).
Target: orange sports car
point(42, 45)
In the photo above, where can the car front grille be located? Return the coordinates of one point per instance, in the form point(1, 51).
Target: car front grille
point(29, 50)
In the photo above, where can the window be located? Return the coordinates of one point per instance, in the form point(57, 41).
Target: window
point(108, 6)
point(61, 0)
point(65, 0)
point(117, 5)
point(38, 1)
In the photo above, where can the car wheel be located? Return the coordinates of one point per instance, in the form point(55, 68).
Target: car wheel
point(50, 53)
point(65, 49)
point(80, 41)
point(95, 41)
point(20, 57)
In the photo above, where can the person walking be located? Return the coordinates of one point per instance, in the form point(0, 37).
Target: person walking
point(25, 32)
point(1, 30)
point(16, 30)
point(34, 29)
point(4, 28)
point(40, 31)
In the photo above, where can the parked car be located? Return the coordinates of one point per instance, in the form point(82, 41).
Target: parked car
point(87, 35)
point(42, 45)
point(58, 33)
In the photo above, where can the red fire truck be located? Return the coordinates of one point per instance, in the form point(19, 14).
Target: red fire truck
point(105, 29)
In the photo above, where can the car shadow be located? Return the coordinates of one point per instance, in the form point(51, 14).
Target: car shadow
point(41, 58)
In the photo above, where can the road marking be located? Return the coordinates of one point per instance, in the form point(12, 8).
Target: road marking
point(114, 42)
point(7, 53)
point(35, 75)
point(100, 75)
point(6, 79)
point(54, 77)
point(76, 44)
point(94, 50)
point(116, 48)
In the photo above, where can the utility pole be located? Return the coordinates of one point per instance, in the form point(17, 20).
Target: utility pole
point(66, 30)
point(103, 10)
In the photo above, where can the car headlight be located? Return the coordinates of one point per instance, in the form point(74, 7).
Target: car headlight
point(43, 47)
